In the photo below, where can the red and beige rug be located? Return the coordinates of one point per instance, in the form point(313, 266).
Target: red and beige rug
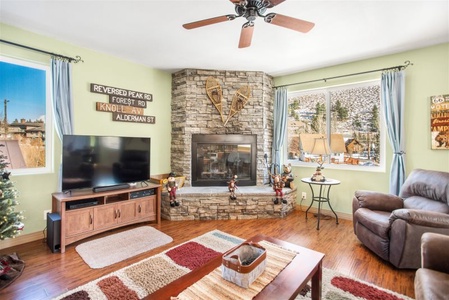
point(213, 286)
point(145, 277)
point(337, 286)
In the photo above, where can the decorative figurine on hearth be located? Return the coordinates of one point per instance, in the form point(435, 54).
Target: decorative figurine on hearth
point(287, 176)
point(172, 186)
point(318, 176)
point(278, 185)
point(232, 186)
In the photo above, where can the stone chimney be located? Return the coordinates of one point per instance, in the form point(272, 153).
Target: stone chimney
point(194, 113)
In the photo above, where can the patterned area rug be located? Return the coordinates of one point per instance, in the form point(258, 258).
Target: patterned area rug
point(337, 286)
point(109, 250)
point(145, 277)
point(213, 286)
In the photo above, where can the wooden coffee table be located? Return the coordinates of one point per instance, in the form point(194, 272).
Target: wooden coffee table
point(307, 265)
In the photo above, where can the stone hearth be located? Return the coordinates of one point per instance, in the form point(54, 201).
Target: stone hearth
point(213, 203)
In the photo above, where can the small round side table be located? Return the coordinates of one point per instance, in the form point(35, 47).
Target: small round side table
point(321, 197)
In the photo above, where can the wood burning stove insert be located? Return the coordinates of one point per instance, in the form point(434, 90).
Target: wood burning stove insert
point(218, 157)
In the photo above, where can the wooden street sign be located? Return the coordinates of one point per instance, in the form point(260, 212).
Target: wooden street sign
point(122, 117)
point(109, 90)
point(108, 107)
point(127, 101)
point(125, 105)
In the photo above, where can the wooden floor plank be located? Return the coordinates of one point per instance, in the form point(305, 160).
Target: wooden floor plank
point(48, 274)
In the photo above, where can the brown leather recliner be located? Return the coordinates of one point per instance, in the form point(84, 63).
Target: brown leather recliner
point(391, 226)
point(432, 280)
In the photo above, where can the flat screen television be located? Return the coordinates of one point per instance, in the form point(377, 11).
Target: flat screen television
point(104, 161)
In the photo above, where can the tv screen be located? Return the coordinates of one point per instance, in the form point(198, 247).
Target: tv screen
point(102, 161)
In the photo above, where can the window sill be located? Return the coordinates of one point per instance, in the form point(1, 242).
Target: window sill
point(346, 167)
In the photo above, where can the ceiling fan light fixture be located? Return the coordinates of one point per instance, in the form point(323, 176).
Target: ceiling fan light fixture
point(251, 10)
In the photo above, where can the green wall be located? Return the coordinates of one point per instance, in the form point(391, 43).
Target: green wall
point(428, 76)
point(35, 190)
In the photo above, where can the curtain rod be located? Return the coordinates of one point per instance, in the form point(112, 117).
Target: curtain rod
point(70, 59)
point(406, 64)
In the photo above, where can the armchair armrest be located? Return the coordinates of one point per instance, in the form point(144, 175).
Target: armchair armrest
point(376, 201)
point(421, 217)
point(434, 254)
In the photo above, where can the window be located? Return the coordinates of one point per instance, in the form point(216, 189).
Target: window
point(25, 116)
point(348, 117)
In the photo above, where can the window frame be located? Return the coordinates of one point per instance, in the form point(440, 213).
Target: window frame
point(49, 124)
point(347, 167)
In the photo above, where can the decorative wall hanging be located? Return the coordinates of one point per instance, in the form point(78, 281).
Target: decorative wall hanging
point(125, 105)
point(439, 122)
point(215, 95)
point(238, 101)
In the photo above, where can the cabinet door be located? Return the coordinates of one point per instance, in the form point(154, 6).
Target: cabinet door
point(105, 216)
point(127, 211)
point(146, 207)
point(78, 221)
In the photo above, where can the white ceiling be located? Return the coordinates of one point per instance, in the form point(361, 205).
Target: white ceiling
point(150, 32)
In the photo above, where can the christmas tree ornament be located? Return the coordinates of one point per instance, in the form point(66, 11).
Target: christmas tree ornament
point(5, 175)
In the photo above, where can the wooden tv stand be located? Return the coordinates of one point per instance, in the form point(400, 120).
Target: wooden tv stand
point(85, 213)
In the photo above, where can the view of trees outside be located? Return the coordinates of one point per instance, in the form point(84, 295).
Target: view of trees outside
point(33, 151)
point(347, 116)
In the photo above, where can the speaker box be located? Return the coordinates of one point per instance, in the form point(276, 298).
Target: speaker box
point(54, 232)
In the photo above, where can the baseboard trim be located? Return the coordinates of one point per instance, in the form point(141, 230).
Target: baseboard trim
point(21, 239)
point(340, 215)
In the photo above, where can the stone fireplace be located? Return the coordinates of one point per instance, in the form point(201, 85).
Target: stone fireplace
point(207, 151)
point(194, 114)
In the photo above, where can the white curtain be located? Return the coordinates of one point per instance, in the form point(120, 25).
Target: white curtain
point(279, 127)
point(392, 97)
point(62, 101)
point(62, 96)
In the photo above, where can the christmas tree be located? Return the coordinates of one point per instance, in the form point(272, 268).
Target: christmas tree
point(10, 220)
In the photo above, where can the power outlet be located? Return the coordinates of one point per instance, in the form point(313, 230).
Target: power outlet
point(304, 196)
point(46, 212)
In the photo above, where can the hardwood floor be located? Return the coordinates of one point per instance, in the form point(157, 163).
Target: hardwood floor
point(48, 274)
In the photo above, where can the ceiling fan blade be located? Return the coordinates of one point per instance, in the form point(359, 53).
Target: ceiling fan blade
point(246, 35)
point(289, 22)
point(210, 21)
point(274, 3)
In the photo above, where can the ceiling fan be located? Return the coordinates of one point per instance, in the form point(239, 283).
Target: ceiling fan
point(250, 10)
